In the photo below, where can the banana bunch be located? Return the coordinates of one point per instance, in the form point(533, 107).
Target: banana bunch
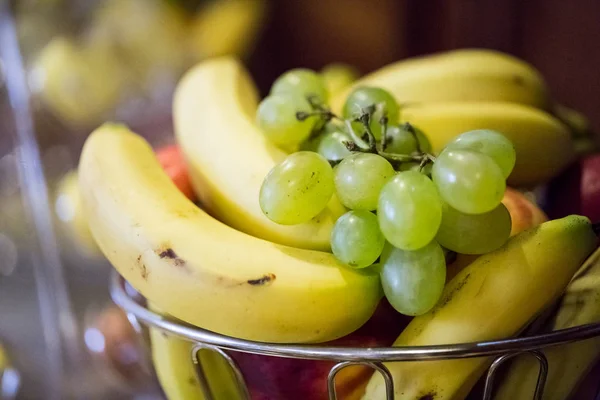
point(540, 260)
point(567, 364)
point(449, 93)
point(202, 271)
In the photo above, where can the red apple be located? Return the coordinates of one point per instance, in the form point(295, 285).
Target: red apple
point(577, 190)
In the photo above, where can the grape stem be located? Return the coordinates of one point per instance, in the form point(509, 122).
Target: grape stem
point(369, 143)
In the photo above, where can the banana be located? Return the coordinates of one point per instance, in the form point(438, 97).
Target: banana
point(70, 215)
point(172, 358)
point(460, 75)
point(202, 271)
point(173, 365)
point(543, 144)
point(3, 359)
point(226, 27)
point(228, 156)
point(578, 123)
point(501, 284)
point(568, 364)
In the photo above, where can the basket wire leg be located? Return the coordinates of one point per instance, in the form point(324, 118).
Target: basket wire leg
point(382, 369)
point(541, 380)
point(201, 375)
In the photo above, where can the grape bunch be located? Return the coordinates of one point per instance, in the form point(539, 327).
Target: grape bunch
point(407, 208)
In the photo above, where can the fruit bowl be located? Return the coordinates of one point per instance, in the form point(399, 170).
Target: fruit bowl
point(497, 351)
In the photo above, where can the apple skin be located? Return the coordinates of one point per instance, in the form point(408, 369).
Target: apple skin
point(576, 190)
point(271, 378)
point(524, 213)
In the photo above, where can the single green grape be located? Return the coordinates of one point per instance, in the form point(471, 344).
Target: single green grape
point(364, 97)
point(413, 281)
point(474, 234)
point(468, 181)
point(359, 179)
point(338, 77)
point(301, 82)
point(409, 210)
point(276, 117)
point(356, 239)
point(298, 189)
point(400, 140)
point(491, 143)
point(332, 146)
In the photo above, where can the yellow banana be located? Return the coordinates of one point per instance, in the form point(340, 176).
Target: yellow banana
point(338, 76)
point(543, 144)
point(79, 85)
point(226, 27)
point(202, 271)
point(578, 123)
point(568, 364)
point(459, 75)
point(172, 358)
point(3, 359)
point(228, 156)
point(490, 299)
point(69, 212)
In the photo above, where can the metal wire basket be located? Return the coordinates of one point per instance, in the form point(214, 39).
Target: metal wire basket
point(500, 350)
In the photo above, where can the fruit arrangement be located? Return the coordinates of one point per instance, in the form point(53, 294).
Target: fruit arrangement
point(333, 199)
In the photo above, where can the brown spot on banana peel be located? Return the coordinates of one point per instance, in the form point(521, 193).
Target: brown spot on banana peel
point(169, 253)
point(518, 80)
point(142, 267)
point(266, 279)
point(428, 396)
point(446, 299)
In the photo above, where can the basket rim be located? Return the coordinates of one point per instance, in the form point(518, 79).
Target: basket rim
point(339, 353)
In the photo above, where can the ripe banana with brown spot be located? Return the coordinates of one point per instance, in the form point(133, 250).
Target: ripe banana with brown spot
point(202, 271)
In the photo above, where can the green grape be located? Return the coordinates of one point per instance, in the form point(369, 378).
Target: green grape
point(489, 142)
point(302, 82)
point(415, 166)
point(276, 117)
point(401, 141)
point(474, 234)
point(356, 239)
point(409, 210)
point(470, 182)
point(332, 146)
point(364, 97)
point(413, 281)
point(311, 144)
point(338, 76)
point(298, 189)
point(359, 179)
